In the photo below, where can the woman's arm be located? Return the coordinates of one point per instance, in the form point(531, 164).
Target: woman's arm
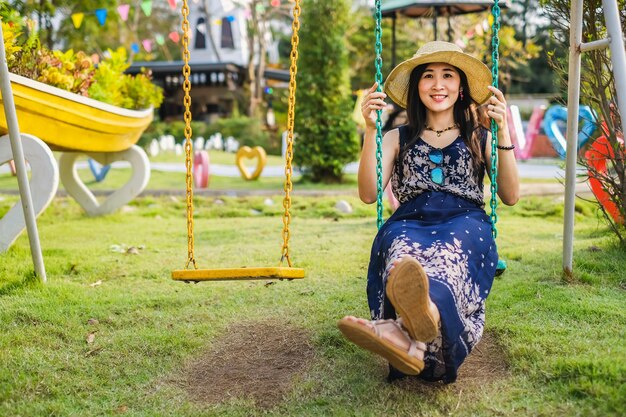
point(367, 177)
point(508, 177)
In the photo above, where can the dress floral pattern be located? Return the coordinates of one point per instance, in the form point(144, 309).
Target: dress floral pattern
point(447, 230)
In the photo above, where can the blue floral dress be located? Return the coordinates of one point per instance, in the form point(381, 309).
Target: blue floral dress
point(446, 229)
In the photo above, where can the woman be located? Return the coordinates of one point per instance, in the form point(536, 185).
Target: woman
point(433, 262)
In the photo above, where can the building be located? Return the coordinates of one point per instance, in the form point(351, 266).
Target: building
point(219, 54)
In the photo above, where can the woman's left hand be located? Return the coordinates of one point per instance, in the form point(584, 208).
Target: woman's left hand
point(496, 107)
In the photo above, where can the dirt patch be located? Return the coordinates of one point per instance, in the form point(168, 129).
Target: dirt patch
point(486, 363)
point(252, 360)
point(484, 366)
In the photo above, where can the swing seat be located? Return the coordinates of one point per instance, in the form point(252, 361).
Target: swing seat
point(501, 267)
point(237, 274)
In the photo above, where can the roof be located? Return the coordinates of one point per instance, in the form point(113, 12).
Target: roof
point(169, 67)
point(425, 8)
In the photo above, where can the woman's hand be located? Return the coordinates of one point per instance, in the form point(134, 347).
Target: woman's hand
point(496, 107)
point(372, 102)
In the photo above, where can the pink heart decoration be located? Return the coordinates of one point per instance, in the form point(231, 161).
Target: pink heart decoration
point(201, 172)
point(524, 140)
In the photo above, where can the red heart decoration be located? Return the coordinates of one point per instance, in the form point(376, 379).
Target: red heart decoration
point(596, 157)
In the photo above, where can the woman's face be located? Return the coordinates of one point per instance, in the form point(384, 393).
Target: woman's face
point(439, 87)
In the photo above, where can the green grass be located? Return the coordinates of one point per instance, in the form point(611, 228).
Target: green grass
point(563, 341)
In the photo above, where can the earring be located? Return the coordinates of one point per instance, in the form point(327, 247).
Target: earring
point(461, 94)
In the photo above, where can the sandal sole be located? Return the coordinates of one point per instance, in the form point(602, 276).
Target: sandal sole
point(365, 338)
point(407, 289)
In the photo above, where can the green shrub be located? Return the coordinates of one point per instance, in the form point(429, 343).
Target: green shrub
point(76, 72)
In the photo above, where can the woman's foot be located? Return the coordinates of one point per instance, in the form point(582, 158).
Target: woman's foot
point(387, 339)
point(407, 289)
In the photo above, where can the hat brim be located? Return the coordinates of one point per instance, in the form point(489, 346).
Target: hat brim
point(478, 75)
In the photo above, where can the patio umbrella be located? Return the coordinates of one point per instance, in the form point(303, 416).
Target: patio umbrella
point(433, 9)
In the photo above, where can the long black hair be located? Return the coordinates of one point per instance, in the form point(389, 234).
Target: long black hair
point(464, 116)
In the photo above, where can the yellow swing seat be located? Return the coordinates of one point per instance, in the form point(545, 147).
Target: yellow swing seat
point(192, 273)
point(230, 274)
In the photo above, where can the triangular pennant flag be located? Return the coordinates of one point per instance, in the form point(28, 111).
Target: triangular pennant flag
point(101, 14)
point(134, 47)
point(77, 19)
point(123, 10)
point(174, 36)
point(146, 6)
point(160, 40)
point(172, 4)
point(147, 45)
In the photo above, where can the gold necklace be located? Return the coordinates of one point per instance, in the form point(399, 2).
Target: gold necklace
point(439, 132)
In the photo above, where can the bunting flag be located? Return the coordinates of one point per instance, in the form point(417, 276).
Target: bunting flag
point(134, 47)
point(174, 36)
point(172, 4)
point(160, 40)
point(101, 14)
point(77, 19)
point(123, 10)
point(146, 6)
point(147, 45)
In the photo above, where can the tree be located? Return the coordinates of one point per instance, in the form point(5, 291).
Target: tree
point(326, 138)
point(598, 91)
point(262, 14)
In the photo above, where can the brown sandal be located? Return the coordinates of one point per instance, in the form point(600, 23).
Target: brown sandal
point(406, 362)
point(407, 289)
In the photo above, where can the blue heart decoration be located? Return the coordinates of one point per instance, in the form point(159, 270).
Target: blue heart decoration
point(99, 172)
point(557, 116)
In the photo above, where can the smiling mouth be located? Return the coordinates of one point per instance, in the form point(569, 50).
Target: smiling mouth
point(438, 97)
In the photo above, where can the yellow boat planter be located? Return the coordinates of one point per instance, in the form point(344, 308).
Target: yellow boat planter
point(67, 121)
point(76, 125)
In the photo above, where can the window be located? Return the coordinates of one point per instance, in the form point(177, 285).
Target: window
point(227, 33)
point(200, 38)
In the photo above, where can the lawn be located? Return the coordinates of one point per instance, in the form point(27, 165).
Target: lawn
point(111, 334)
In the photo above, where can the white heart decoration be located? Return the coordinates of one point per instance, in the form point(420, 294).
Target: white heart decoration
point(44, 182)
point(78, 190)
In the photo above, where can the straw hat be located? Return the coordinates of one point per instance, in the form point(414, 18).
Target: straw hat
point(478, 75)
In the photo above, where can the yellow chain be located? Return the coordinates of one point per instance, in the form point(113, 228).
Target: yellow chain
point(293, 70)
point(188, 146)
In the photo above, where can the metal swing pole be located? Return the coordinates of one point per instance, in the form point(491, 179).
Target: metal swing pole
point(20, 164)
point(615, 42)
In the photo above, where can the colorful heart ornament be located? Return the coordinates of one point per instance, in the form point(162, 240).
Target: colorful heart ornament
point(596, 157)
point(245, 152)
point(201, 171)
point(556, 114)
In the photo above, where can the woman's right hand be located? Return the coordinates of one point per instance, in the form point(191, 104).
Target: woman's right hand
point(373, 101)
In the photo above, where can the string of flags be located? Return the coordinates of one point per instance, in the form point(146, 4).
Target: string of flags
point(123, 10)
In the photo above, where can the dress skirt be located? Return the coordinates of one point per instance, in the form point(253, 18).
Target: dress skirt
point(451, 237)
